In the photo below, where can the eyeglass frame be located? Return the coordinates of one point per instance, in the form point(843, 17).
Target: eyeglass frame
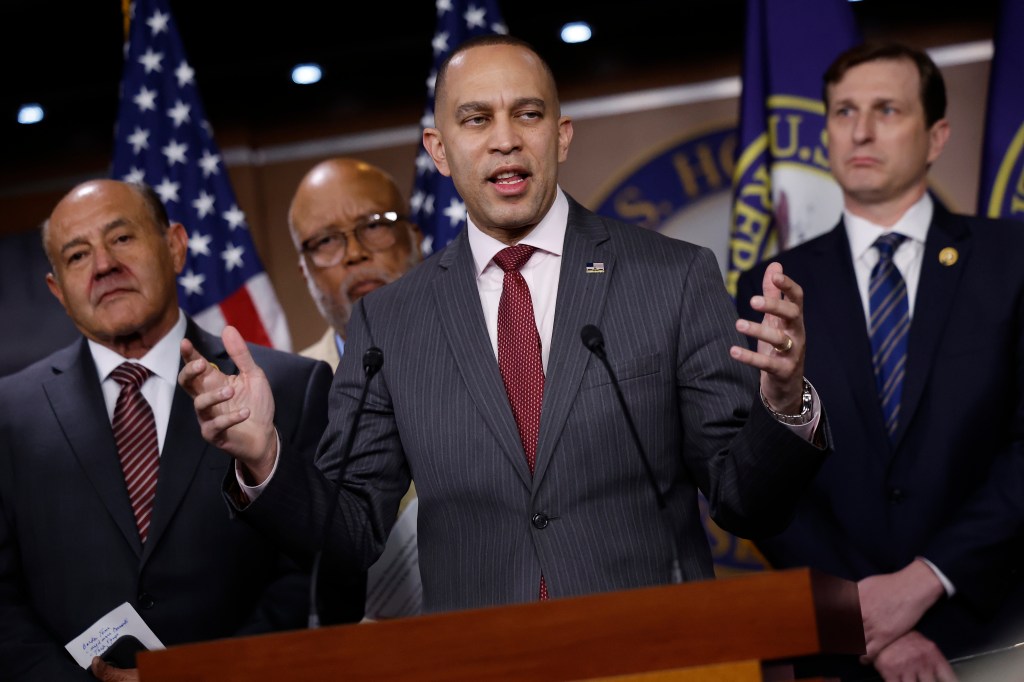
point(388, 218)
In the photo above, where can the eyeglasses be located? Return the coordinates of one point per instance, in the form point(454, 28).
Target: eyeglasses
point(374, 232)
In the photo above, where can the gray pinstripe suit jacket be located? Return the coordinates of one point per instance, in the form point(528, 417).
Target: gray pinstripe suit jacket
point(438, 412)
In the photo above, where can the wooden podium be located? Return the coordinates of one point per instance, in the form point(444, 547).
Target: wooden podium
point(715, 630)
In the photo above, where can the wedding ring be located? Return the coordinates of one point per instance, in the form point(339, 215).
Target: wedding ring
point(784, 348)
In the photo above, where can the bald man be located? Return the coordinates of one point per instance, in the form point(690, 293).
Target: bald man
point(350, 226)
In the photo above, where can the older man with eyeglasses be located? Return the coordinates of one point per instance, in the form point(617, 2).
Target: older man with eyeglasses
point(348, 222)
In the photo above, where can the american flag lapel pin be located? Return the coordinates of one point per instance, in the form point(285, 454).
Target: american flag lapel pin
point(595, 267)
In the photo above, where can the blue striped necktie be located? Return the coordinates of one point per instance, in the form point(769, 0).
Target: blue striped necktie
point(888, 327)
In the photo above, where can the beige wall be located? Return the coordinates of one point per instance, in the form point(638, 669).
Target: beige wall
point(605, 149)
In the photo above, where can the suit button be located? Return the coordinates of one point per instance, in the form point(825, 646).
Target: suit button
point(146, 601)
point(540, 521)
point(896, 495)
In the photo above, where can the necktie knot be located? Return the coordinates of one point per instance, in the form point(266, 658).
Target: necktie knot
point(130, 374)
point(511, 258)
point(888, 243)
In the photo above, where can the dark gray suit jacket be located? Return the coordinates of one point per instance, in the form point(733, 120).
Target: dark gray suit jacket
point(587, 520)
point(69, 547)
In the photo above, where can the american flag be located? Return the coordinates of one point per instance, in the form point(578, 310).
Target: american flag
point(164, 140)
point(437, 208)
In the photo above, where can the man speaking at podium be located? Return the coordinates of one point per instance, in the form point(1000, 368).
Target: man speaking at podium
point(535, 481)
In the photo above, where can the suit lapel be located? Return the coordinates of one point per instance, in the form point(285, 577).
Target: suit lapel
point(183, 445)
point(580, 301)
point(458, 304)
point(935, 292)
point(77, 402)
point(835, 298)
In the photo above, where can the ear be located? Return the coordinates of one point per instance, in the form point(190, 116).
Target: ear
point(434, 145)
point(564, 137)
point(58, 293)
point(937, 138)
point(177, 241)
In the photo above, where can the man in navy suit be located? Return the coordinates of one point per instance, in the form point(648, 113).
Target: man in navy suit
point(529, 482)
point(76, 540)
point(912, 445)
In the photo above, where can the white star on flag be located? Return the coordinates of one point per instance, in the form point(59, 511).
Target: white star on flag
point(135, 175)
point(168, 190)
point(203, 205)
point(192, 282)
point(151, 61)
point(209, 163)
point(179, 113)
point(139, 140)
point(199, 244)
point(175, 152)
point(443, 6)
point(474, 17)
point(456, 212)
point(232, 256)
point(146, 99)
point(440, 43)
point(234, 217)
point(184, 74)
point(424, 164)
point(158, 22)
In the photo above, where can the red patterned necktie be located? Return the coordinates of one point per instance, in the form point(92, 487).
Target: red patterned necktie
point(519, 354)
point(135, 436)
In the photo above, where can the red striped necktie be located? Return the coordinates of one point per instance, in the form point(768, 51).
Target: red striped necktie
point(135, 436)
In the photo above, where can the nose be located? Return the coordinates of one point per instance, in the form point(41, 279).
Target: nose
point(505, 135)
point(864, 128)
point(103, 261)
point(355, 252)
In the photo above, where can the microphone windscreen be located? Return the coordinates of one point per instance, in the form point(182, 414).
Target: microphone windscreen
point(592, 337)
point(373, 360)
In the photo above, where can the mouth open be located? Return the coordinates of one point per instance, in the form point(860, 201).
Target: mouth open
point(510, 182)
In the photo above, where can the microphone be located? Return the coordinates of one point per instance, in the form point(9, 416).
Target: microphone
point(373, 360)
point(593, 339)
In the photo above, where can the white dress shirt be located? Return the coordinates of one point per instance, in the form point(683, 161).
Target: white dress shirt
point(158, 390)
point(907, 258)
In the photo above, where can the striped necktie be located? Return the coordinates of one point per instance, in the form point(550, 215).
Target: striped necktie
point(137, 446)
point(519, 354)
point(888, 327)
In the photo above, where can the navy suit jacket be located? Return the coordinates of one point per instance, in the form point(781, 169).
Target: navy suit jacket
point(587, 519)
point(69, 547)
point(876, 505)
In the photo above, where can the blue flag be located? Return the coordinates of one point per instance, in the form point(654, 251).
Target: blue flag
point(1001, 193)
point(784, 193)
point(164, 140)
point(436, 207)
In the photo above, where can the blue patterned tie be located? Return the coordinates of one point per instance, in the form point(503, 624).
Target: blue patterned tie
point(888, 327)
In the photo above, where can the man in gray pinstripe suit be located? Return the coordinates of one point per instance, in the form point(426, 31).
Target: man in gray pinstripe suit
point(586, 519)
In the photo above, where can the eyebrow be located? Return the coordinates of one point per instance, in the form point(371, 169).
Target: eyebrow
point(81, 241)
point(470, 107)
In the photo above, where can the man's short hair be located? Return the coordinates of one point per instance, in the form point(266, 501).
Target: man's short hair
point(482, 41)
point(933, 88)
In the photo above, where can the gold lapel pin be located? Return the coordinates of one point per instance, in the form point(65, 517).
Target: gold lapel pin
point(948, 256)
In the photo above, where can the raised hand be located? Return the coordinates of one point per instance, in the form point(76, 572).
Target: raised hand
point(781, 340)
point(235, 411)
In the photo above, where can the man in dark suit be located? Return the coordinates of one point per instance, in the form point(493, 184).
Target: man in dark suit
point(530, 484)
point(78, 538)
point(920, 415)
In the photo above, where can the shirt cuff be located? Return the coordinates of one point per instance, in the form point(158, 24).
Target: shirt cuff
point(947, 584)
point(251, 492)
point(807, 431)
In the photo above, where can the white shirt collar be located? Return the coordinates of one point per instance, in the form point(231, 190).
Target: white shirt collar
point(914, 224)
point(548, 235)
point(162, 359)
